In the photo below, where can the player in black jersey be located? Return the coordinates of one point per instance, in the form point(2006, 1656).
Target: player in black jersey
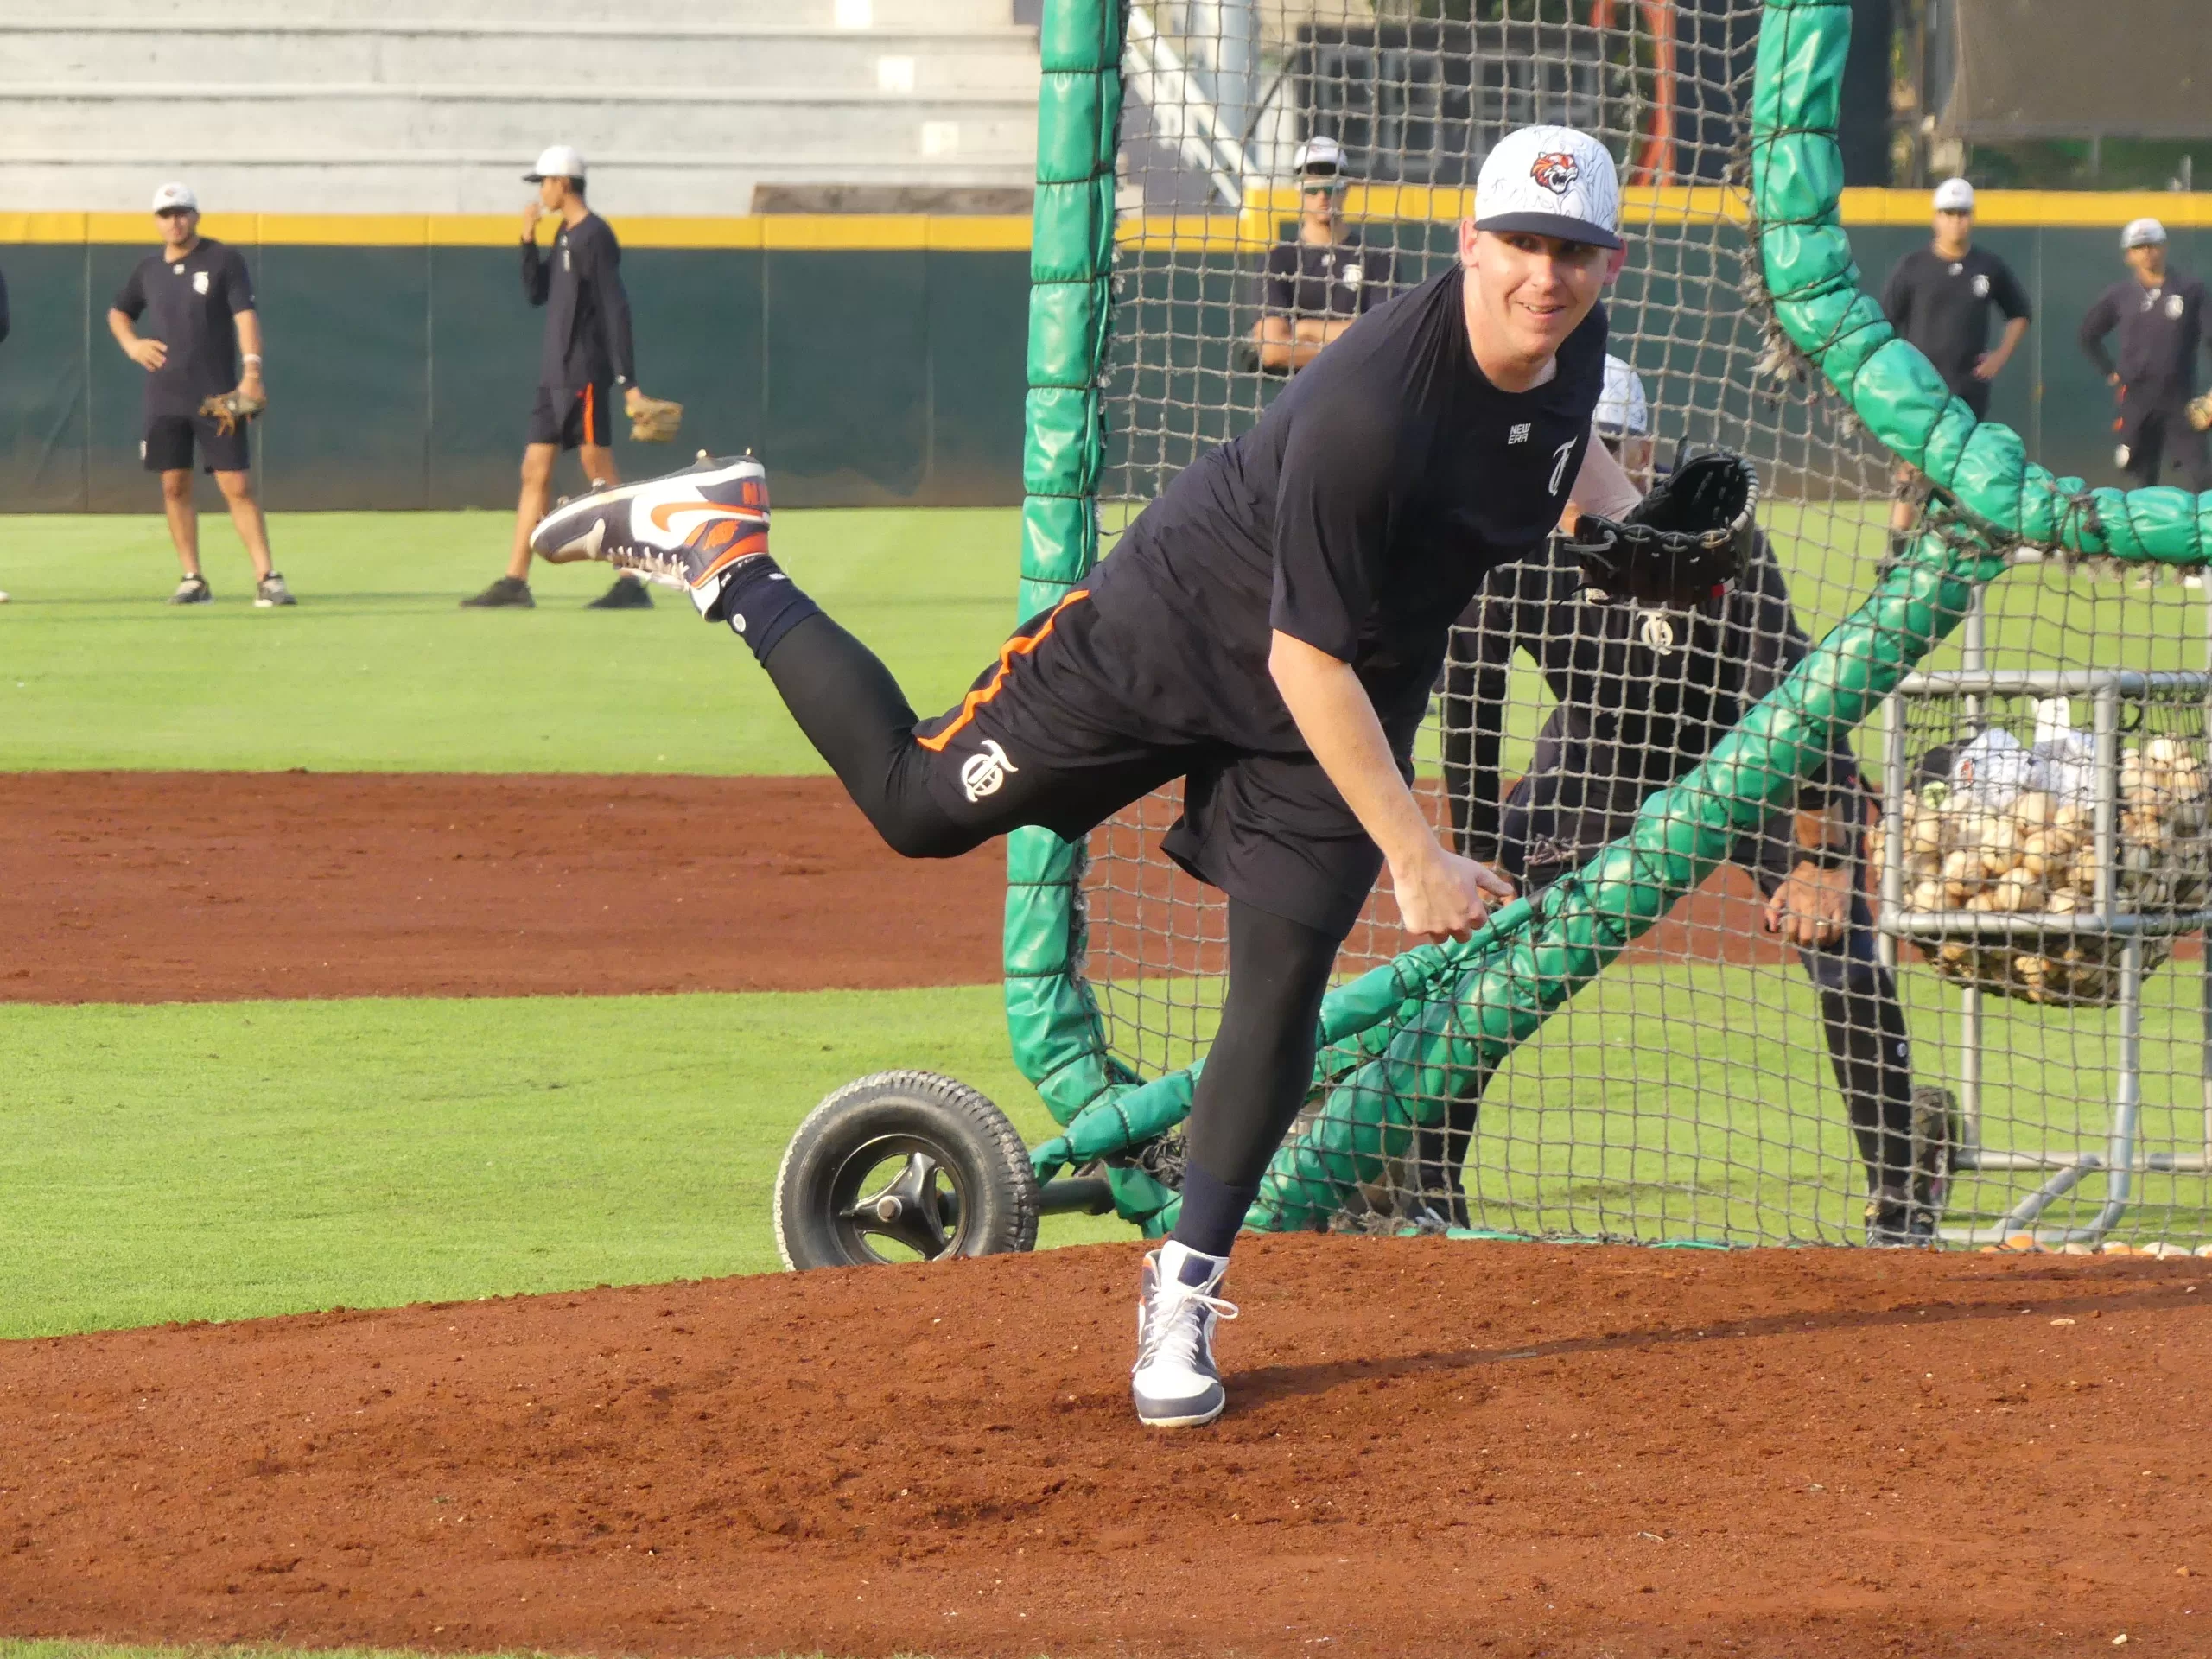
point(585, 362)
point(1940, 298)
point(1642, 695)
point(2159, 312)
point(1267, 630)
point(196, 296)
point(1321, 278)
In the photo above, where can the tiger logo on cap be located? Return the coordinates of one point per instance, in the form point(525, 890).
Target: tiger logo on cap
point(1557, 171)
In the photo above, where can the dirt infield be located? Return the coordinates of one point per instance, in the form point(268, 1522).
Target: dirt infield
point(1434, 1448)
point(195, 886)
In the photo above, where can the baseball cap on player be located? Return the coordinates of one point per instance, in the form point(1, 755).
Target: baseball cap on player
point(556, 161)
point(2142, 233)
point(1622, 410)
point(1319, 159)
point(175, 199)
point(1955, 196)
point(1553, 180)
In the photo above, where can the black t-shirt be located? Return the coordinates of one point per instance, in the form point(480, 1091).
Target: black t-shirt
point(1642, 693)
point(2159, 331)
point(1359, 515)
point(1343, 279)
point(1942, 306)
point(579, 282)
point(191, 305)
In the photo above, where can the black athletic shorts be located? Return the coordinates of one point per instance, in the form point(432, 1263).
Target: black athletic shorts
point(573, 416)
point(169, 439)
point(1049, 735)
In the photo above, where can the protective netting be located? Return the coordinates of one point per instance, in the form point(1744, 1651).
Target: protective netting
point(1711, 1084)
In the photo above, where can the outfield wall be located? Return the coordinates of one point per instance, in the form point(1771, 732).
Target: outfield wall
point(872, 361)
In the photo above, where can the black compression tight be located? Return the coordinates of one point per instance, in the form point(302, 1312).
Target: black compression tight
point(859, 722)
point(1257, 1071)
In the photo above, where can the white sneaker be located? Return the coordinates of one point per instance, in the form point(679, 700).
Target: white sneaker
point(691, 530)
point(1175, 1383)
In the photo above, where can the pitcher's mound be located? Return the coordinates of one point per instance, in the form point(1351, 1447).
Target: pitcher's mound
point(1432, 1448)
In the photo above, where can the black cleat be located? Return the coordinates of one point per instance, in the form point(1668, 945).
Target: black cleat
point(192, 590)
point(508, 593)
point(628, 594)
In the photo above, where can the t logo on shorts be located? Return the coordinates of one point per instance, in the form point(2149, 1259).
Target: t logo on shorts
point(982, 773)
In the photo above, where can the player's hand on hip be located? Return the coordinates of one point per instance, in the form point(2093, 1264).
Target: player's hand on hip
point(1443, 896)
point(1811, 907)
point(148, 354)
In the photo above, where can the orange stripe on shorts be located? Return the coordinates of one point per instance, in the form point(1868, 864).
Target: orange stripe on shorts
point(1021, 646)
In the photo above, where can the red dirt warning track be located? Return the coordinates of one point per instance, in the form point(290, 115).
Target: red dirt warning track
point(1435, 1448)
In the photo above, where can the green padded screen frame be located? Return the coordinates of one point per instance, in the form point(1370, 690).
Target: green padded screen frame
point(1402, 1039)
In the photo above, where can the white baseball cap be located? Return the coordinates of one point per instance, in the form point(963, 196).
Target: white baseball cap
point(1322, 156)
point(556, 161)
point(2142, 233)
point(1622, 410)
point(171, 196)
point(1553, 180)
point(1955, 196)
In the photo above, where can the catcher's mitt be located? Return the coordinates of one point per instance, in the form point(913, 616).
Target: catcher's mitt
point(2200, 411)
point(1682, 544)
point(655, 420)
point(232, 409)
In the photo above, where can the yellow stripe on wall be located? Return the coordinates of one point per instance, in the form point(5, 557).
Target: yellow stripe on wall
point(954, 233)
point(1255, 228)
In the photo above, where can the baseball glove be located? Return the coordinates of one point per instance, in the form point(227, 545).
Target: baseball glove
point(2200, 411)
point(232, 409)
point(1684, 544)
point(655, 420)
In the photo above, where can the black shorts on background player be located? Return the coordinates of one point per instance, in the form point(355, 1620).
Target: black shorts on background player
point(1943, 306)
point(571, 417)
point(170, 441)
point(191, 305)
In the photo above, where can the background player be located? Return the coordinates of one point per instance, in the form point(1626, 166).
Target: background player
point(1320, 279)
point(197, 297)
point(1643, 695)
point(1268, 630)
point(1939, 297)
point(586, 360)
point(2160, 315)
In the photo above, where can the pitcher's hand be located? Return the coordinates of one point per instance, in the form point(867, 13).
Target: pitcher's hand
point(1443, 896)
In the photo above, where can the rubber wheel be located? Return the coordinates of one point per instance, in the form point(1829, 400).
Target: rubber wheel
point(903, 1166)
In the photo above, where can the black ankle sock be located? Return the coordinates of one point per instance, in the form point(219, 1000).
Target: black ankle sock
point(762, 604)
point(1212, 1211)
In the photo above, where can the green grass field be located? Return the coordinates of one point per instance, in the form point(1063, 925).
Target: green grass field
point(378, 669)
point(218, 1162)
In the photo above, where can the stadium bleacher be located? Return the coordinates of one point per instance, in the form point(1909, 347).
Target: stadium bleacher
point(684, 107)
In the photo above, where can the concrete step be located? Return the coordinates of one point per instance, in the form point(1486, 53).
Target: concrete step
point(623, 184)
point(423, 55)
point(640, 16)
point(277, 122)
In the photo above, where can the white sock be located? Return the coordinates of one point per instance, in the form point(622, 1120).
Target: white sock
point(1181, 1265)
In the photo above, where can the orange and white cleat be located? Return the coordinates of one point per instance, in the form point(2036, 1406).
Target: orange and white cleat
point(690, 530)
